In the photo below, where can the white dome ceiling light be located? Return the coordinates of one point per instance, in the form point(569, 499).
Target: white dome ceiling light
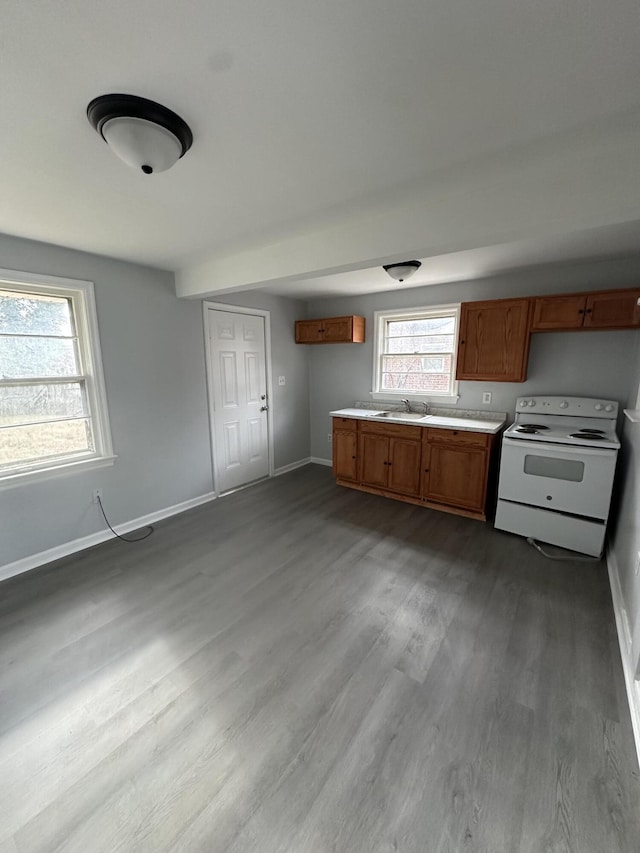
point(144, 134)
point(402, 270)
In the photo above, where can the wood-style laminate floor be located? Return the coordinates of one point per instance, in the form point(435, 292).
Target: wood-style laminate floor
point(300, 668)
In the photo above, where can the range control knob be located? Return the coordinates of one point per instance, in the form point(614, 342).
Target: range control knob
point(608, 408)
point(564, 405)
point(523, 403)
point(532, 402)
point(598, 407)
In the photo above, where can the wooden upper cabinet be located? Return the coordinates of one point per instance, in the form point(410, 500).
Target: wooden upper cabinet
point(331, 330)
point(494, 340)
point(555, 313)
point(613, 309)
point(308, 331)
point(607, 309)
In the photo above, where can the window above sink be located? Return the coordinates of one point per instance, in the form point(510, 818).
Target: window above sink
point(415, 354)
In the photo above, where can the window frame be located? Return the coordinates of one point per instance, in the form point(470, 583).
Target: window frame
point(427, 312)
point(82, 296)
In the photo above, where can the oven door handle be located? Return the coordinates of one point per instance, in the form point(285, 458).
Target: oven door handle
point(530, 446)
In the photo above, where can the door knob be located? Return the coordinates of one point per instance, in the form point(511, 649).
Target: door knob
point(263, 396)
point(264, 408)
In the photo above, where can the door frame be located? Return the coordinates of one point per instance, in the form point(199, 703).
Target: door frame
point(236, 309)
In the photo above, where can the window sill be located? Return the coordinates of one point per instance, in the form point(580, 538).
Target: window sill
point(24, 478)
point(385, 396)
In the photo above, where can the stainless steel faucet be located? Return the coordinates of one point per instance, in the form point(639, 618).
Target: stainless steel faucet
point(407, 405)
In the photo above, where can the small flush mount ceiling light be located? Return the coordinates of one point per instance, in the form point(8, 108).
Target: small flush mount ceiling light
point(146, 135)
point(402, 270)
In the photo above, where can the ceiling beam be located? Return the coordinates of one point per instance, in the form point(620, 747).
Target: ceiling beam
point(587, 179)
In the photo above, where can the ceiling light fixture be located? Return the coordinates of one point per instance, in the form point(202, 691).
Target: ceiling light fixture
point(402, 270)
point(144, 134)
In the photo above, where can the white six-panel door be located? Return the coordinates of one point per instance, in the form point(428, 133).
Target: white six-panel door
point(238, 385)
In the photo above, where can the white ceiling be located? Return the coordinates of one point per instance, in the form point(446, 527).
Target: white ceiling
point(301, 110)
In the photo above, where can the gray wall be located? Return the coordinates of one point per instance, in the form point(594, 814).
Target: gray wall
point(625, 535)
point(588, 364)
point(290, 402)
point(153, 355)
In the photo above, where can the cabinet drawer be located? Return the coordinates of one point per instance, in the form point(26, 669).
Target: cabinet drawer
point(391, 430)
point(458, 436)
point(345, 423)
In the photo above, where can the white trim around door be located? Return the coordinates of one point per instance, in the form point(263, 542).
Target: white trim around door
point(237, 309)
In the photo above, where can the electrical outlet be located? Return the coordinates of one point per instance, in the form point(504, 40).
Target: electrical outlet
point(637, 569)
point(486, 398)
point(97, 494)
point(282, 380)
point(329, 437)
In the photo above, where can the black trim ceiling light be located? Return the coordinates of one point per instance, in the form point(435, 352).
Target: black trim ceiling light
point(402, 270)
point(144, 134)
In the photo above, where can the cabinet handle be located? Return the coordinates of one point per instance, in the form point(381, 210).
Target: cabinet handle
point(580, 310)
point(426, 470)
point(589, 310)
point(455, 432)
point(461, 342)
point(353, 457)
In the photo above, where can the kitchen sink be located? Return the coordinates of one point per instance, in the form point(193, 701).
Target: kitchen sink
point(401, 416)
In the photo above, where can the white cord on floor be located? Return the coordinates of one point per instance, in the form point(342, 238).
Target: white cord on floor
point(559, 557)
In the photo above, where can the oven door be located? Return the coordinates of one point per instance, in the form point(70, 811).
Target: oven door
point(560, 477)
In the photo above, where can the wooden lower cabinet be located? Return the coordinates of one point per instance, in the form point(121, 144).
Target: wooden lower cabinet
point(454, 475)
point(345, 459)
point(373, 451)
point(438, 468)
point(390, 463)
point(404, 466)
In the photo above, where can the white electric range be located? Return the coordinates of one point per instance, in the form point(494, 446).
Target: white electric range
point(556, 471)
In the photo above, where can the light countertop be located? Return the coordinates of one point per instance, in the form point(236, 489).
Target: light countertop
point(471, 422)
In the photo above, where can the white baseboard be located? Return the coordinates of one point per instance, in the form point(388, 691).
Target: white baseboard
point(9, 570)
point(292, 466)
point(317, 461)
point(624, 640)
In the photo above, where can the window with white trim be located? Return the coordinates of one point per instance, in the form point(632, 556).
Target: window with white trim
point(53, 411)
point(415, 353)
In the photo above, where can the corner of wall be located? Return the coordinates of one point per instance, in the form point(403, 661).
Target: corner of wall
point(624, 641)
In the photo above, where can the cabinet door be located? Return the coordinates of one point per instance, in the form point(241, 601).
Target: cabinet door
point(494, 340)
point(456, 476)
point(345, 463)
point(338, 330)
point(308, 331)
point(614, 309)
point(404, 466)
point(558, 312)
point(374, 452)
